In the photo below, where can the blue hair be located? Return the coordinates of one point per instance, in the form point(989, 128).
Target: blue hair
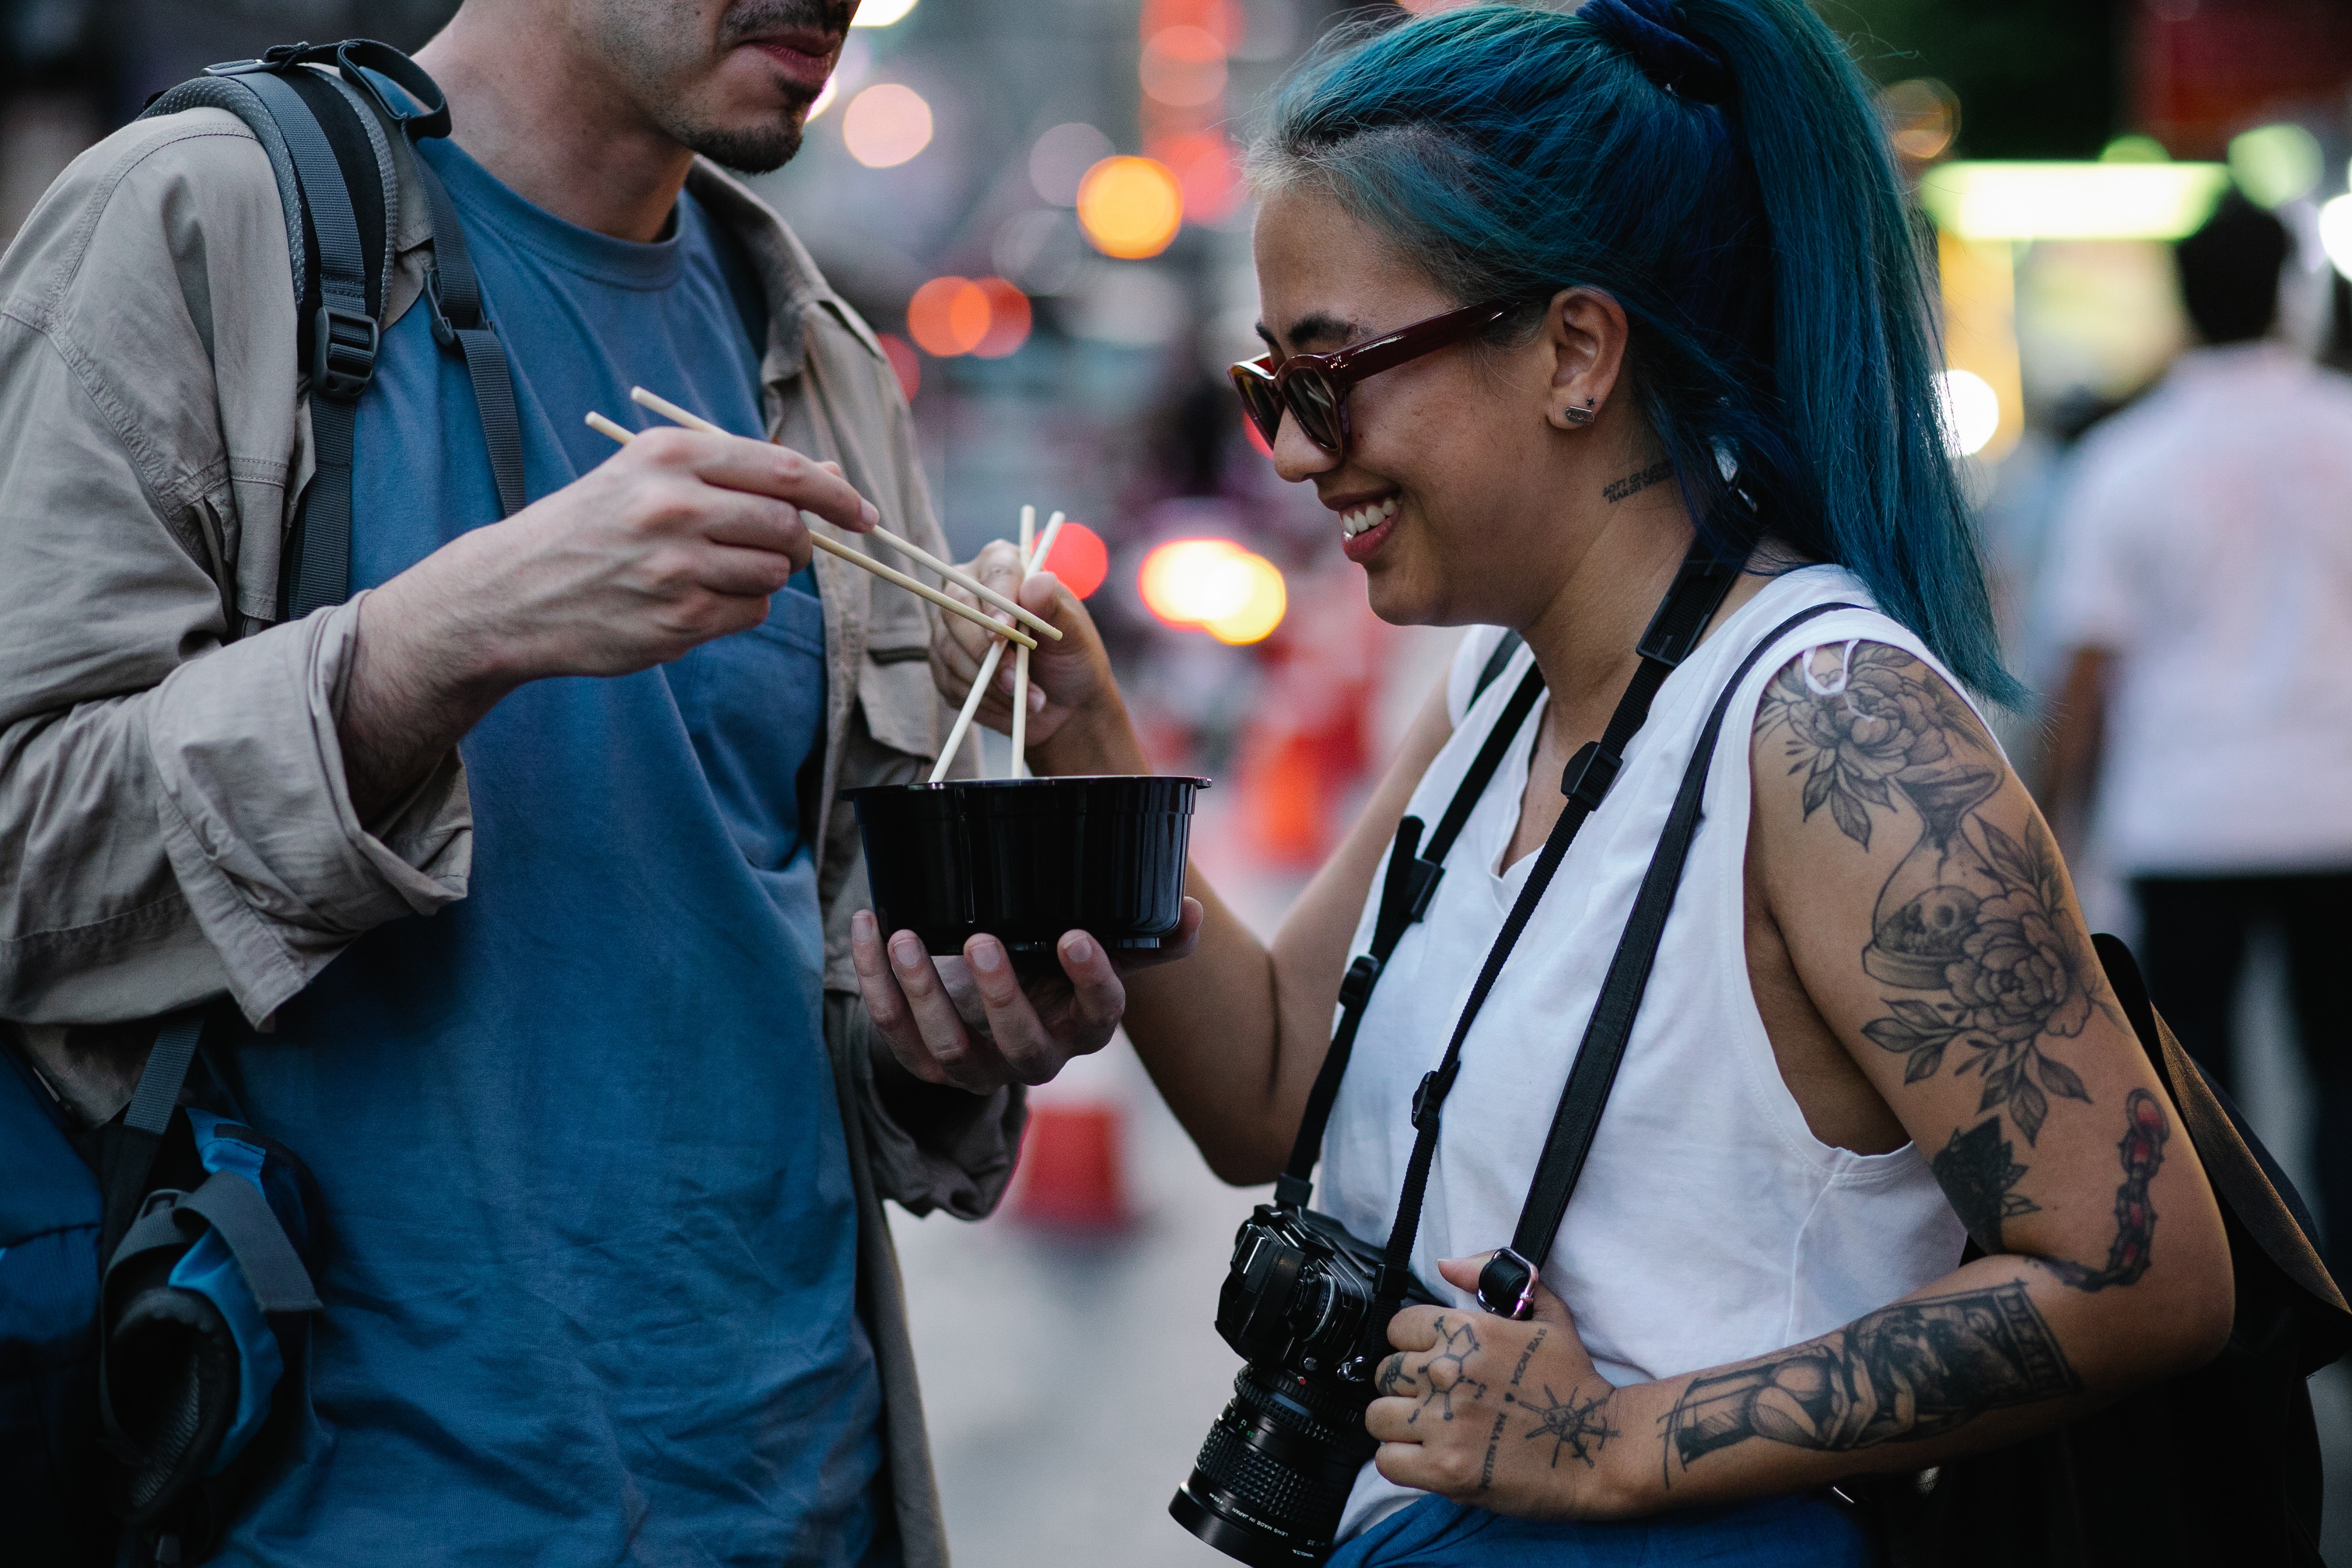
point(1761, 248)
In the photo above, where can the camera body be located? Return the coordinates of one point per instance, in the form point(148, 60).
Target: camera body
point(1274, 1474)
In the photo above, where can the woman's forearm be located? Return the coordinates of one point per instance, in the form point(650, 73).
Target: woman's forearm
point(1998, 1350)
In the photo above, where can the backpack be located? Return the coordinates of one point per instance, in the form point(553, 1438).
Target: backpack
point(155, 1292)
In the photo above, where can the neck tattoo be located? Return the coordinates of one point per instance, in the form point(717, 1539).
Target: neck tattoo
point(1618, 490)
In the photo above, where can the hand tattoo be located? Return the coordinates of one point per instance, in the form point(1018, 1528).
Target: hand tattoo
point(1906, 1371)
point(1446, 1370)
point(1582, 1429)
point(1394, 1382)
point(1973, 918)
point(2146, 1130)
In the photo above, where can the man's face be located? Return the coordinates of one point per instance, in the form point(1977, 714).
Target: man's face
point(731, 80)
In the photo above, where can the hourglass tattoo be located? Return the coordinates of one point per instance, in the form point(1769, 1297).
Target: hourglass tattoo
point(1973, 920)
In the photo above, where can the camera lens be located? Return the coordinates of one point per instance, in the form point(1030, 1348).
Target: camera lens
point(1274, 1474)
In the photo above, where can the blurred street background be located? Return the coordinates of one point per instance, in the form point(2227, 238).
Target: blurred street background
point(1038, 202)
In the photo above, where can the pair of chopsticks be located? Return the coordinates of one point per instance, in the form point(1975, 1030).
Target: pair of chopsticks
point(969, 583)
point(1019, 766)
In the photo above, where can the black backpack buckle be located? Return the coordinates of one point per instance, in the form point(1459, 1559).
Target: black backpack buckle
point(342, 352)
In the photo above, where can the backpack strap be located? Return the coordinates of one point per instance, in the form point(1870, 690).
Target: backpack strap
point(336, 181)
point(1506, 1284)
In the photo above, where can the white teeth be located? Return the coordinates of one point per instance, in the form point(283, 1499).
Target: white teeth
point(1363, 518)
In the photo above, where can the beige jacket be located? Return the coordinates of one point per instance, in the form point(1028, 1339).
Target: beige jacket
point(173, 820)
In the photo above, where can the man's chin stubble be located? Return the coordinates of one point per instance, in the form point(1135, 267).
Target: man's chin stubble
point(756, 150)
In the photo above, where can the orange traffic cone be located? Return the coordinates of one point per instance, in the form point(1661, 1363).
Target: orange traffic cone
point(1073, 1166)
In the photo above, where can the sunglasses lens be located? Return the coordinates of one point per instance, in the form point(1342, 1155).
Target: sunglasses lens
point(1311, 399)
point(1260, 401)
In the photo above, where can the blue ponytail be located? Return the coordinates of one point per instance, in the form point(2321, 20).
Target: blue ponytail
point(1716, 167)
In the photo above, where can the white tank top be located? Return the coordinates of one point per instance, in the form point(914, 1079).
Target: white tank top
point(1709, 1224)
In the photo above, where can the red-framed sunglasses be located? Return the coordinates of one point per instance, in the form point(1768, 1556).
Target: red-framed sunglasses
point(1314, 388)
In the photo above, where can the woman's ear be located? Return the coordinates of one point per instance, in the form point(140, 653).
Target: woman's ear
point(1584, 335)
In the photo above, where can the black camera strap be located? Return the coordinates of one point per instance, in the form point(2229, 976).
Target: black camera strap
point(1506, 1284)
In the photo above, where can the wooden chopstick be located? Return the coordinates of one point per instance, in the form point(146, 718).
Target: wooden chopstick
point(973, 699)
point(604, 426)
point(1017, 765)
point(965, 580)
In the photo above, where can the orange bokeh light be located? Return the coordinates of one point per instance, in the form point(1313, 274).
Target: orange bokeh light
point(904, 362)
point(1080, 558)
point(1214, 584)
point(1221, 19)
point(1130, 207)
point(1008, 319)
point(951, 316)
point(1208, 171)
point(1183, 68)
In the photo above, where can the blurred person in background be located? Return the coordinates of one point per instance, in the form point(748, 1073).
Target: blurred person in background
point(1652, 282)
point(602, 1144)
point(2201, 582)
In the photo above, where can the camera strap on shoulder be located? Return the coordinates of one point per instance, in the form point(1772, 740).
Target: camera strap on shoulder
point(1506, 1284)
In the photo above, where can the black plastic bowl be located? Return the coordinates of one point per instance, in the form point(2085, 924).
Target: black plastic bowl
point(1027, 859)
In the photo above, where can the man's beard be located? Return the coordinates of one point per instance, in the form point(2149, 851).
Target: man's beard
point(754, 149)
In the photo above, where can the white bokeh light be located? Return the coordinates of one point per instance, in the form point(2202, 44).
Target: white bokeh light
point(2336, 233)
point(881, 13)
point(886, 126)
point(1970, 410)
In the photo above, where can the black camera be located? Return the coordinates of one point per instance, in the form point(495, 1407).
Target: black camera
point(1274, 1474)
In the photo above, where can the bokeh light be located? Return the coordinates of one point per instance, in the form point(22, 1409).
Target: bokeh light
point(1208, 170)
point(886, 126)
point(987, 316)
point(2275, 164)
point(1922, 117)
point(1970, 410)
point(1060, 158)
point(1130, 207)
point(881, 13)
point(1184, 67)
point(905, 364)
point(1233, 594)
point(1008, 319)
point(2336, 233)
point(1080, 558)
point(947, 316)
point(1221, 19)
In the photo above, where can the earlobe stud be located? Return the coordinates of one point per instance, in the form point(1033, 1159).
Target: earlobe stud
point(1583, 415)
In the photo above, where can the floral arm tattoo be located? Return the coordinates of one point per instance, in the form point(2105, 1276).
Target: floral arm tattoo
point(1973, 942)
point(1973, 923)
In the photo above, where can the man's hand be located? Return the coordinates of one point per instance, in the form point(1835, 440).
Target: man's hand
point(971, 1023)
point(1505, 1415)
point(676, 539)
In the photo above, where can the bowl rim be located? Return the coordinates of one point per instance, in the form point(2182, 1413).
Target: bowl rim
point(945, 785)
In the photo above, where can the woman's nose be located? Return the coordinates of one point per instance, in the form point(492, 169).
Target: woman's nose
point(1295, 456)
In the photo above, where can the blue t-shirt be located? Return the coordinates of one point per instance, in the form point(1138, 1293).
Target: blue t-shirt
point(589, 1255)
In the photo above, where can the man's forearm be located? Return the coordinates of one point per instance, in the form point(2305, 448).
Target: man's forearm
point(413, 693)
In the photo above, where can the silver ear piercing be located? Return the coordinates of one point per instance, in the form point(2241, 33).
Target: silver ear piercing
point(1583, 415)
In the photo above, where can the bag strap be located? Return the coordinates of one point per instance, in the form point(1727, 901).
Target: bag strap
point(132, 1157)
point(303, 119)
point(1507, 1283)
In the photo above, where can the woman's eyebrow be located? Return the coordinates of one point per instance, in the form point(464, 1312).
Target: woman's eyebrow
point(1315, 327)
